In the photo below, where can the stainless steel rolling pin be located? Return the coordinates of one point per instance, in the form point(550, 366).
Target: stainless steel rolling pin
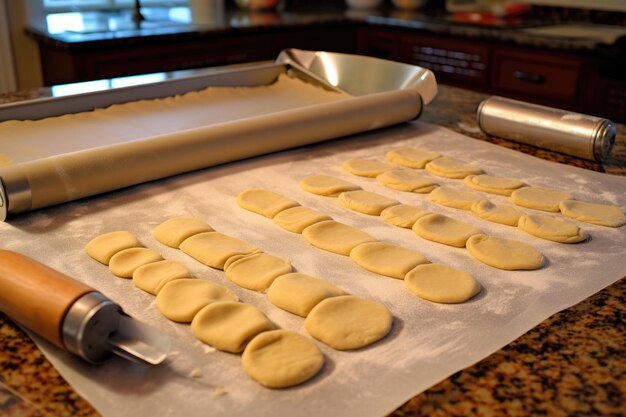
point(31, 185)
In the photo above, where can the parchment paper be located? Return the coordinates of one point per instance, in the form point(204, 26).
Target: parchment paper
point(428, 342)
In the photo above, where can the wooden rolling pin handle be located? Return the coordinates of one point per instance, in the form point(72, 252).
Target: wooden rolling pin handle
point(36, 296)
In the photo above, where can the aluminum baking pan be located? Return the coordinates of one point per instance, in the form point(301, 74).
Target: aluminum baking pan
point(384, 93)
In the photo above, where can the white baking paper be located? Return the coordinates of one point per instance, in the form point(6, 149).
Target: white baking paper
point(428, 342)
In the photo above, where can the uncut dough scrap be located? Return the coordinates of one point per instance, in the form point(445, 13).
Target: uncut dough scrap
point(504, 253)
point(257, 271)
point(452, 168)
point(326, 185)
point(296, 219)
point(407, 180)
point(228, 325)
point(411, 157)
point(299, 293)
point(126, 261)
point(263, 202)
point(153, 276)
point(181, 299)
point(496, 213)
point(539, 198)
point(600, 214)
point(103, 247)
point(443, 229)
point(335, 237)
point(348, 322)
point(441, 284)
point(402, 215)
point(280, 359)
point(366, 167)
point(213, 248)
point(493, 185)
point(386, 259)
point(550, 228)
point(451, 197)
point(366, 202)
point(173, 232)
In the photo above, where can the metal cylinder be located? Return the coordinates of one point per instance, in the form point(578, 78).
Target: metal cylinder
point(576, 134)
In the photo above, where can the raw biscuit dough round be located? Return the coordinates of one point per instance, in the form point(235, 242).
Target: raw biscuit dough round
point(348, 322)
point(213, 248)
point(452, 168)
point(298, 293)
point(263, 202)
point(296, 219)
point(335, 237)
point(103, 247)
point(407, 180)
point(411, 157)
point(549, 228)
point(600, 214)
point(452, 197)
point(256, 272)
point(441, 284)
point(173, 232)
point(153, 276)
point(326, 185)
point(403, 215)
point(126, 261)
point(181, 299)
point(386, 259)
point(366, 167)
point(443, 229)
point(228, 325)
point(504, 253)
point(493, 185)
point(497, 213)
point(366, 202)
point(281, 359)
point(539, 198)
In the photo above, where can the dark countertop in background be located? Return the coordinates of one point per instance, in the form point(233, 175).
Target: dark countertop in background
point(573, 363)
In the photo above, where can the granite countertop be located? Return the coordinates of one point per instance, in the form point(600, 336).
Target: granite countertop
point(571, 364)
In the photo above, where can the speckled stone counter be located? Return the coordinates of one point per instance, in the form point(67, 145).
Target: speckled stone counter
point(573, 363)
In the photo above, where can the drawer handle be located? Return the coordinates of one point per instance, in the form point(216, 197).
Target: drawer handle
point(529, 77)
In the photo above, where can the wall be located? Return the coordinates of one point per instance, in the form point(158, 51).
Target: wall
point(614, 5)
point(7, 70)
point(25, 51)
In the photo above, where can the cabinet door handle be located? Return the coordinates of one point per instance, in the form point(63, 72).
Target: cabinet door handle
point(528, 77)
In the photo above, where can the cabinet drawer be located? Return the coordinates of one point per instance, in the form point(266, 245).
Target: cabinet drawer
point(537, 75)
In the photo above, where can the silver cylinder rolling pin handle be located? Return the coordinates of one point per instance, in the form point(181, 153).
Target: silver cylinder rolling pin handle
point(72, 315)
point(575, 134)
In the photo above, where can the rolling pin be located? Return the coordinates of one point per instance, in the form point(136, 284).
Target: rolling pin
point(72, 315)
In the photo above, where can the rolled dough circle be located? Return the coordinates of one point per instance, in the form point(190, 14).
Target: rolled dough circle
point(366, 202)
point(335, 237)
point(493, 185)
point(228, 325)
point(539, 198)
point(452, 168)
point(386, 259)
point(256, 272)
point(455, 198)
point(444, 229)
point(366, 167)
point(326, 185)
point(411, 157)
point(600, 214)
point(103, 247)
point(549, 228)
point(407, 180)
point(402, 215)
point(504, 253)
point(181, 299)
point(173, 232)
point(213, 248)
point(299, 293)
point(441, 284)
point(348, 322)
point(153, 276)
point(126, 261)
point(296, 219)
point(496, 213)
point(263, 202)
point(281, 358)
